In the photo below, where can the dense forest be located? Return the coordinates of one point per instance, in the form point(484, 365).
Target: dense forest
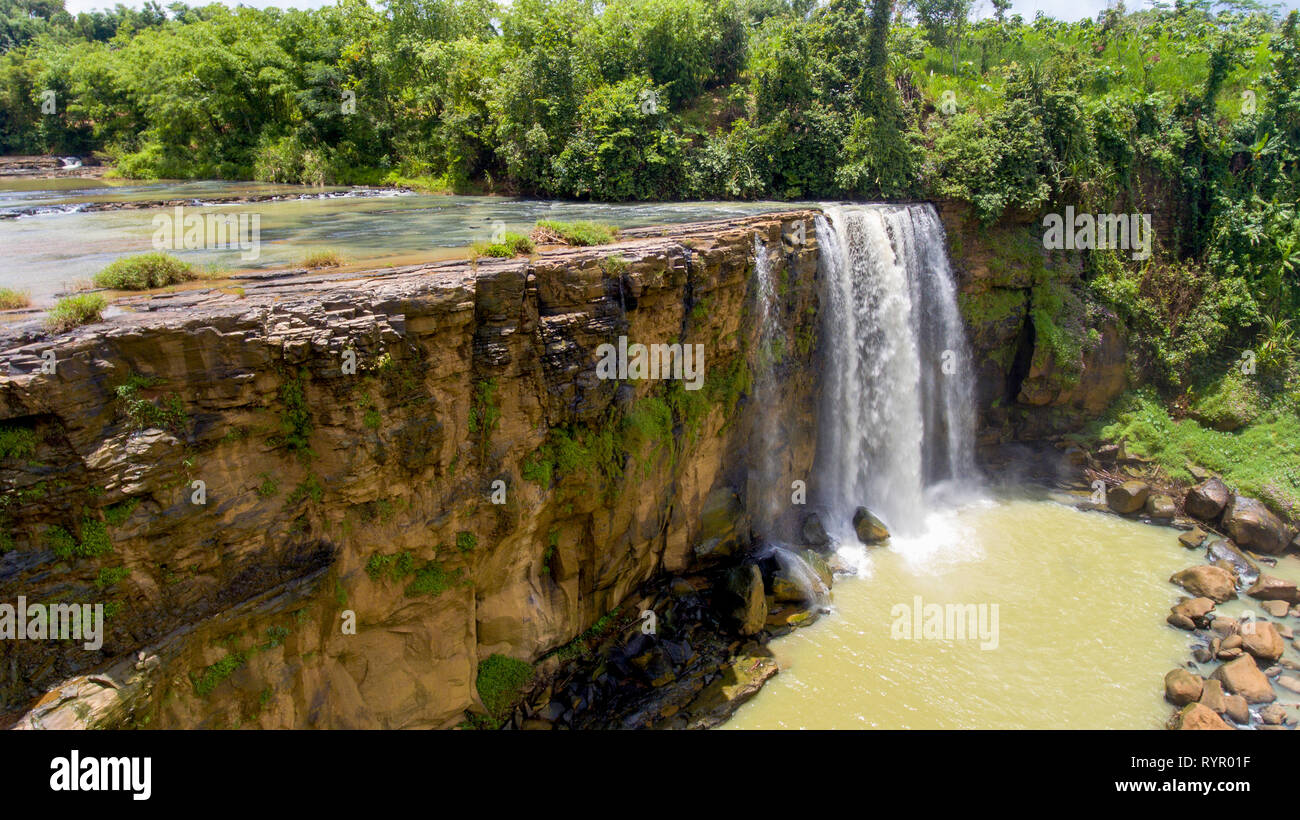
point(1189, 112)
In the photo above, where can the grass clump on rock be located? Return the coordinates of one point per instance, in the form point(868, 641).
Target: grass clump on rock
point(74, 311)
point(500, 681)
point(511, 244)
point(322, 259)
point(147, 270)
point(11, 299)
point(550, 231)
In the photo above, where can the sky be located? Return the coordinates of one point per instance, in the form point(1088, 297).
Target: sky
point(1060, 9)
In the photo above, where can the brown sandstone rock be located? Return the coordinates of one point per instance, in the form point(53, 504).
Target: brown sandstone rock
point(1253, 526)
point(1242, 677)
point(1194, 716)
point(1207, 581)
point(1129, 497)
point(1207, 500)
point(1182, 687)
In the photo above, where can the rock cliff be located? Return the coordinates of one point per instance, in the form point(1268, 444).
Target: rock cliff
point(321, 501)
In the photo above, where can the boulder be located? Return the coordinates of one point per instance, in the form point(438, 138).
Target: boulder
point(1190, 613)
point(1182, 687)
point(1194, 716)
point(1237, 710)
point(1129, 497)
point(1262, 640)
point(1212, 696)
point(1254, 526)
point(1207, 581)
point(1242, 677)
point(1277, 609)
point(814, 531)
point(870, 530)
point(745, 582)
point(1268, 588)
point(1193, 538)
point(1290, 683)
point(1273, 715)
point(1224, 553)
point(1207, 499)
point(1161, 507)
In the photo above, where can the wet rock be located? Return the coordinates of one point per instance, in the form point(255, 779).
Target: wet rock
point(1182, 687)
point(738, 682)
point(1242, 677)
point(1289, 682)
point(1268, 588)
point(820, 568)
point(1202, 654)
point(1161, 507)
point(1273, 715)
point(1129, 497)
point(814, 531)
point(720, 518)
point(1193, 611)
point(1192, 538)
point(1181, 621)
point(1253, 526)
point(746, 583)
point(1207, 500)
point(1277, 609)
point(1212, 696)
point(870, 530)
point(1262, 641)
point(1207, 581)
point(1194, 716)
point(535, 725)
point(1225, 554)
point(1224, 626)
point(1237, 709)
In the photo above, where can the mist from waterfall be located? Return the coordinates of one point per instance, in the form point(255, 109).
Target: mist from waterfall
point(897, 411)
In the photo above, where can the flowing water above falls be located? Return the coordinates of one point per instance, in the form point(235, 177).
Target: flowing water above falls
point(897, 415)
point(1081, 642)
point(62, 242)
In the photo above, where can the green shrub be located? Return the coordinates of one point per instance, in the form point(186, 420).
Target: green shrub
point(500, 681)
point(431, 579)
point(573, 233)
point(466, 541)
point(147, 270)
point(11, 299)
point(108, 576)
point(322, 259)
point(213, 675)
point(511, 244)
point(17, 442)
point(74, 311)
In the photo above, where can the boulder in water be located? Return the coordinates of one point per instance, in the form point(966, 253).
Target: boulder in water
point(1182, 687)
point(1254, 526)
point(870, 530)
point(1207, 581)
point(1196, 716)
point(1268, 588)
point(1261, 640)
point(1129, 497)
point(1207, 499)
point(1242, 677)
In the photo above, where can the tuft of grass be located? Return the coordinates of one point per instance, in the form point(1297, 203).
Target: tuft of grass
point(466, 541)
point(109, 576)
point(322, 259)
point(573, 233)
point(17, 442)
point(431, 579)
point(511, 244)
point(500, 681)
point(11, 299)
point(144, 271)
point(117, 514)
point(74, 311)
point(216, 673)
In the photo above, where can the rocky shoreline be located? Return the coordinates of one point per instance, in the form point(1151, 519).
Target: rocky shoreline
point(1228, 681)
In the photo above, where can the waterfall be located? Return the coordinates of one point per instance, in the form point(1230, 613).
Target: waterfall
point(771, 348)
point(897, 413)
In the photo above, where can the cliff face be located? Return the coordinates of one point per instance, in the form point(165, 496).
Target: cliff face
point(210, 466)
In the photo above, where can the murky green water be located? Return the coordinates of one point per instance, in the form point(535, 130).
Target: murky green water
point(50, 251)
point(1081, 636)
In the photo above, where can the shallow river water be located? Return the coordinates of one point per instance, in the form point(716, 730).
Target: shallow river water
point(54, 244)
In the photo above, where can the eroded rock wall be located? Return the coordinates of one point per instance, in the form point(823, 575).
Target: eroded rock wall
point(329, 494)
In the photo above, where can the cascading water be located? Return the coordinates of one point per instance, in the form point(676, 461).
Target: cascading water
point(767, 482)
point(897, 414)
